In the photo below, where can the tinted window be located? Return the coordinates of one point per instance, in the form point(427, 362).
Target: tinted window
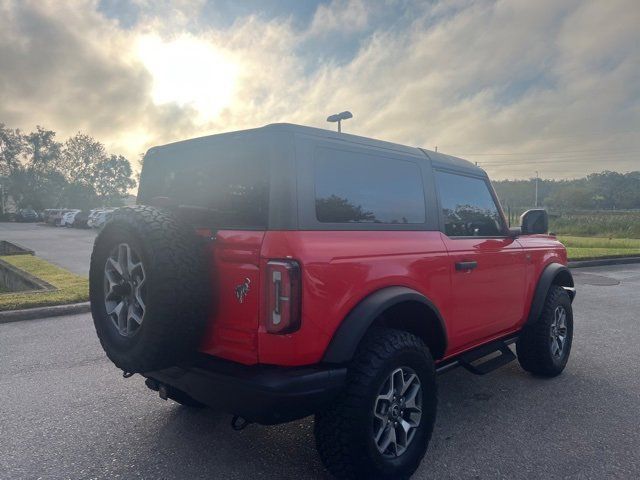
point(358, 188)
point(226, 189)
point(467, 207)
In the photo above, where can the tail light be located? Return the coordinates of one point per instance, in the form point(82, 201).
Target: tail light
point(283, 296)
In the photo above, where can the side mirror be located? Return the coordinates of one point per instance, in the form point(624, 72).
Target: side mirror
point(534, 221)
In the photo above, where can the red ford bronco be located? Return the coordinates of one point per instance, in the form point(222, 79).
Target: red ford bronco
point(286, 271)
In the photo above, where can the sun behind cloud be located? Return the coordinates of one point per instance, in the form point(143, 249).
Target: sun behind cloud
point(537, 81)
point(189, 71)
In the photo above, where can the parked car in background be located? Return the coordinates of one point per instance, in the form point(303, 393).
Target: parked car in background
point(100, 217)
point(54, 216)
point(81, 219)
point(45, 214)
point(92, 216)
point(68, 218)
point(26, 215)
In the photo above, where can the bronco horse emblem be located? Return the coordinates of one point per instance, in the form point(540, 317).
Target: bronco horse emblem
point(243, 289)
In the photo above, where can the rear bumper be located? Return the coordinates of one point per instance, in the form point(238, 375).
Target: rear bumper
point(261, 393)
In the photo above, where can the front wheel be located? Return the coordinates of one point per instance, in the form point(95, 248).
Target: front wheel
point(544, 347)
point(380, 426)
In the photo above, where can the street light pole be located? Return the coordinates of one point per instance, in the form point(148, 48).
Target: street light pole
point(338, 117)
point(537, 176)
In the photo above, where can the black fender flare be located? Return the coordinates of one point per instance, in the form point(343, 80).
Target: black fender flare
point(554, 273)
point(342, 346)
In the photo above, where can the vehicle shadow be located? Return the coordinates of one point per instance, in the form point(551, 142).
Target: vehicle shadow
point(202, 444)
point(504, 425)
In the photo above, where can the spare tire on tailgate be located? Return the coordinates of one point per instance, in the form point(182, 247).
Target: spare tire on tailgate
point(148, 285)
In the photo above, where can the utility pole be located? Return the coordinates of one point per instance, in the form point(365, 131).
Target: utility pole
point(537, 177)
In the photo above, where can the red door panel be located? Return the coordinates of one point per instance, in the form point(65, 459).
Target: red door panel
point(488, 299)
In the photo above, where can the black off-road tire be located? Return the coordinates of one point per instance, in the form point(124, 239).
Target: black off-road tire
point(344, 431)
point(176, 289)
point(534, 345)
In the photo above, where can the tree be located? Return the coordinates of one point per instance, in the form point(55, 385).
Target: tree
point(30, 187)
point(571, 197)
point(112, 179)
point(80, 154)
point(12, 147)
point(28, 164)
point(38, 171)
point(42, 151)
point(605, 190)
point(94, 177)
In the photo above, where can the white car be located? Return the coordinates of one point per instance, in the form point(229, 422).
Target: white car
point(99, 217)
point(92, 216)
point(68, 218)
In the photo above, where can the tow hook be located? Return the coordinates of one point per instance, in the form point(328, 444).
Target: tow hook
point(239, 423)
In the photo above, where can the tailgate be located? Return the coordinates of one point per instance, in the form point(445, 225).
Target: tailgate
point(235, 292)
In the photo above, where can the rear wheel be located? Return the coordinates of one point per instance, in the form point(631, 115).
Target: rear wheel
point(380, 427)
point(544, 347)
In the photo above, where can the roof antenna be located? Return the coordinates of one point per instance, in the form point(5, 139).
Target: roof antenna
point(338, 117)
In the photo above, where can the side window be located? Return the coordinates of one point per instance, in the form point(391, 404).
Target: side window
point(467, 207)
point(358, 188)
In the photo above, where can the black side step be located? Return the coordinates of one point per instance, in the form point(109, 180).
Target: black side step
point(506, 355)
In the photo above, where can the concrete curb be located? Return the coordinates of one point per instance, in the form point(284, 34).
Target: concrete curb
point(603, 262)
point(44, 312)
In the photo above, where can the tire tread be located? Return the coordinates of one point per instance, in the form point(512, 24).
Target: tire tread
point(179, 295)
point(334, 427)
point(533, 345)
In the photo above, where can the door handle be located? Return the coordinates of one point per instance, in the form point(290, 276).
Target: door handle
point(462, 266)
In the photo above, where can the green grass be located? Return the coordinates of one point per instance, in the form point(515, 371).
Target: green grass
point(598, 247)
point(71, 288)
point(615, 224)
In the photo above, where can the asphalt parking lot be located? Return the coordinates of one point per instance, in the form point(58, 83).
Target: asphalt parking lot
point(66, 412)
point(67, 247)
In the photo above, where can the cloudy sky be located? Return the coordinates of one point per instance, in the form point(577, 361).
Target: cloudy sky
point(516, 85)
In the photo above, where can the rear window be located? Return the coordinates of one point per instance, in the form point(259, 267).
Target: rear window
point(227, 189)
point(357, 188)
